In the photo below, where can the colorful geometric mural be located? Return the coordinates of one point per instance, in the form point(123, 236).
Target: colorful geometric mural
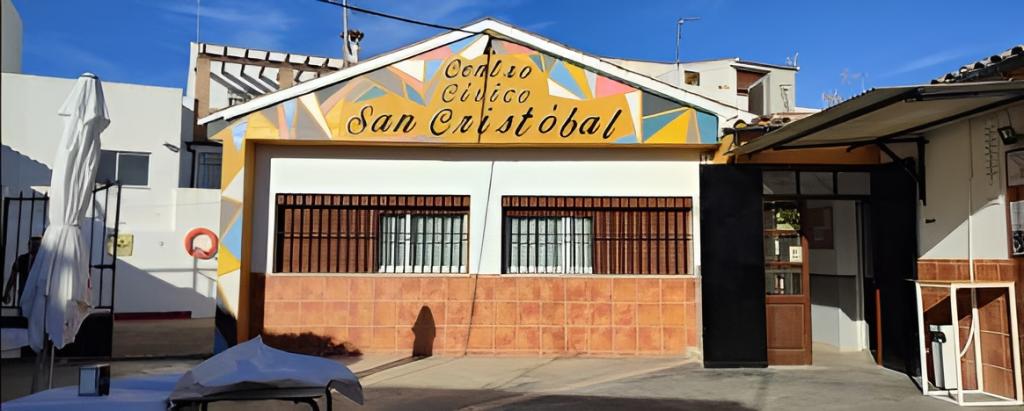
point(479, 90)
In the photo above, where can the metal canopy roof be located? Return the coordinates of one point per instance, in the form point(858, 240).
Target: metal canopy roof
point(886, 113)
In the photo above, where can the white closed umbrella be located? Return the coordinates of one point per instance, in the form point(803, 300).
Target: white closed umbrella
point(57, 295)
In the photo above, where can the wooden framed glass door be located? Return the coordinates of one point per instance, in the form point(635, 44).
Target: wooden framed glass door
point(787, 278)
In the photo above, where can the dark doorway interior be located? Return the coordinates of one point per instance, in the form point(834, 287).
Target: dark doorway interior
point(734, 284)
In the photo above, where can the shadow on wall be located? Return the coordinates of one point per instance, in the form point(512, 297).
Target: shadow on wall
point(424, 331)
point(139, 290)
point(20, 172)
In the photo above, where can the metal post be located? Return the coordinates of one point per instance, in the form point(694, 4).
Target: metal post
point(113, 262)
point(921, 339)
point(956, 343)
point(344, 33)
point(1015, 340)
point(3, 240)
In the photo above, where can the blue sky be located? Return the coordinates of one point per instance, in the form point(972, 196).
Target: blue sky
point(841, 44)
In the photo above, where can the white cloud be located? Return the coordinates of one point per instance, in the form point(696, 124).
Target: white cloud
point(929, 60)
point(246, 24)
point(64, 52)
point(385, 34)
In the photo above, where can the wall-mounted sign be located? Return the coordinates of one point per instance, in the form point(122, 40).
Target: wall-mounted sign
point(482, 90)
point(124, 244)
point(796, 254)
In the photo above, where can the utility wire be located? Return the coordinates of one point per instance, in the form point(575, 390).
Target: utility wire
point(394, 17)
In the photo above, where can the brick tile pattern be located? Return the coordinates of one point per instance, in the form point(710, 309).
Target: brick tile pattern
point(491, 314)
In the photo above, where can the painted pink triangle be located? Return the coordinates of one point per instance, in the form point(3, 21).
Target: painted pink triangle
point(609, 87)
point(439, 53)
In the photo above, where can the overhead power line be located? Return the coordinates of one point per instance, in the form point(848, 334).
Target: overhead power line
point(394, 17)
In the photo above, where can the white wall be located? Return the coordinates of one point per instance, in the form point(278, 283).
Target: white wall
point(836, 281)
point(718, 80)
point(157, 276)
point(717, 77)
point(473, 172)
point(955, 190)
point(10, 38)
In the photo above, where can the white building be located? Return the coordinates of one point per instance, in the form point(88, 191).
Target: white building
point(140, 149)
point(760, 88)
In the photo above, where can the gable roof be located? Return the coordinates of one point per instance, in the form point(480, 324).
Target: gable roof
point(502, 30)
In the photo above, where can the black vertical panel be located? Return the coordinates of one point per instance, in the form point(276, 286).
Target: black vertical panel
point(894, 248)
point(732, 266)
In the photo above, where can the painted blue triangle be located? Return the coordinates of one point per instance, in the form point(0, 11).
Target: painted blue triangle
point(371, 94)
point(289, 112)
point(431, 69)
point(707, 125)
point(653, 124)
point(232, 240)
point(413, 94)
point(460, 45)
point(538, 61)
point(630, 139)
point(238, 133)
point(561, 76)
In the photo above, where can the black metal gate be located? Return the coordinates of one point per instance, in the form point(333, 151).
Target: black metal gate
point(25, 218)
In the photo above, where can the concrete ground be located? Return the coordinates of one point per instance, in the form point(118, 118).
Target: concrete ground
point(163, 338)
point(837, 381)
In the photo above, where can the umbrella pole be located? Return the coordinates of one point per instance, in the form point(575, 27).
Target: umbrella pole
point(49, 378)
point(46, 350)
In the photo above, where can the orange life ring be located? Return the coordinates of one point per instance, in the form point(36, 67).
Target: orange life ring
point(200, 253)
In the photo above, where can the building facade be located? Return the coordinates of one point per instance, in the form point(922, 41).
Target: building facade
point(491, 193)
point(140, 150)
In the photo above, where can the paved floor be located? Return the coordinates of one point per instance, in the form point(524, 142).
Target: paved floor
point(392, 382)
point(162, 338)
point(838, 382)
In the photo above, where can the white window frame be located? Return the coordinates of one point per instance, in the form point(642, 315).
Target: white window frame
point(117, 166)
point(407, 265)
point(563, 246)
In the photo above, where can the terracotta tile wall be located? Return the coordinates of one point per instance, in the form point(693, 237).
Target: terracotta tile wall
point(993, 309)
point(534, 315)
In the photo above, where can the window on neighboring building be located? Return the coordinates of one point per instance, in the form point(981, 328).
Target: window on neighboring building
point(691, 78)
point(745, 79)
point(130, 169)
point(207, 169)
point(600, 235)
point(333, 233)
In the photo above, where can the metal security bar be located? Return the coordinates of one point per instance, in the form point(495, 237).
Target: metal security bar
point(551, 245)
point(334, 233)
point(600, 235)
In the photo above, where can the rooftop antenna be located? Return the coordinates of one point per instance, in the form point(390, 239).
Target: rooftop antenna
point(679, 32)
point(197, 20)
point(344, 31)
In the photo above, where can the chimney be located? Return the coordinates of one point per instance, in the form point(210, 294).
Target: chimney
point(352, 43)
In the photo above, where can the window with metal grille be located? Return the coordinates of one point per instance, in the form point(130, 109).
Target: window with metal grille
point(422, 243)
point(550, 245)
point(599, 235)
point(333, 233)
